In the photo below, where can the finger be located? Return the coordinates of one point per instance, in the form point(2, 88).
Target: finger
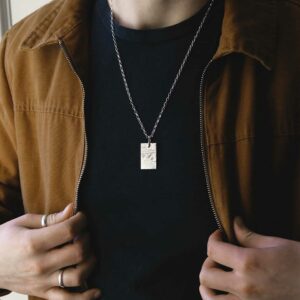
point(59, 234)
point(215, 278)
point(226, 254)
point(62, 294)
point(209, 294)
point(77, 275)
point(61, 216)
point(34, 221)
point(69, 255)
point(250, 239)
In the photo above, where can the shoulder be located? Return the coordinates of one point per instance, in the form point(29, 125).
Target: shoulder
point(33, 23)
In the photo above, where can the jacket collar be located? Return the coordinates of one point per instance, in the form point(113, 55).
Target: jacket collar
point(249, 27)
point(64, 17)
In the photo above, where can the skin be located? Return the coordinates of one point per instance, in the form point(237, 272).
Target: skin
point(151, 14)
point(31, 256)
point(260, 267)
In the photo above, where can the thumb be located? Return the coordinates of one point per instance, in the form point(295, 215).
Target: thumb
point(250, 239)
point(34, 221)
point(60, 216)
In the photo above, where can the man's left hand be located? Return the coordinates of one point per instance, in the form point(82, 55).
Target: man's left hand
point(261, 268)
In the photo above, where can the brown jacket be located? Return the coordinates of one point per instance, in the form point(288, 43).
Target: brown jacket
point(250, 108)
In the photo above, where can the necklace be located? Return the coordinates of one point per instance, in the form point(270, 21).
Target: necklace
point(148, 151)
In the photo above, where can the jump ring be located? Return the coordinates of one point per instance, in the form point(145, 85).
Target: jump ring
point(44, 221)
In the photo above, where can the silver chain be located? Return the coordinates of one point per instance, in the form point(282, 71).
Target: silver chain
point(149, 137)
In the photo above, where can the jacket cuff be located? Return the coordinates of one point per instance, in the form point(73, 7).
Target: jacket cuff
point(4, 292)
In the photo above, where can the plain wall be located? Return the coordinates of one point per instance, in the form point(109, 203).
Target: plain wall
point(22, 8)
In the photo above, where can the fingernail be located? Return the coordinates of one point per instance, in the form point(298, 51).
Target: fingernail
point(67, 208)
point(97, 294)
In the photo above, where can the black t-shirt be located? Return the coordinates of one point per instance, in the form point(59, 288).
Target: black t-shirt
point(149, 227)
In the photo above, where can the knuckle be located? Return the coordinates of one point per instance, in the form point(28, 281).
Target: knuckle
point(69, 230)
point(201, 292)
point(210, 247)
point(202, 276)
point(78, 278)
point(79, 253)
point(210, 250)
point(247, 289)
point(29, 245)
point(249, 261)
point(37, 268)
point(27, 217)
point(81, 216)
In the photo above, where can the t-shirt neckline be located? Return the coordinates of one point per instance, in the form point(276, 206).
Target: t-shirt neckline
point(181, 29)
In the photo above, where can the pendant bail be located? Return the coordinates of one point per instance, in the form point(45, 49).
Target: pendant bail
point(149, 141)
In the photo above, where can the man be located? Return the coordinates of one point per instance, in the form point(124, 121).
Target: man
point(91, 114)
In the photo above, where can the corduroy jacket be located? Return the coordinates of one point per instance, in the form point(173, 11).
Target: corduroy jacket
point(249, 114)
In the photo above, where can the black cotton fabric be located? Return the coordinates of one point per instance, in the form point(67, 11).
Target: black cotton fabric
point(149, 228)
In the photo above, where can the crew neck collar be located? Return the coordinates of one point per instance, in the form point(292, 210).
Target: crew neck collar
point(181, 29)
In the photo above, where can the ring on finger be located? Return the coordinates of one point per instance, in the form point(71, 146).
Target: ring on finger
point(73, 277)
point(61, 278)
point(44, 221)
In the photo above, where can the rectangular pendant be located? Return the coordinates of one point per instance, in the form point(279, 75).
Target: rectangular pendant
point(148, 156)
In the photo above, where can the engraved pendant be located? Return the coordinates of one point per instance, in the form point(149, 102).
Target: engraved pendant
point(148, 156)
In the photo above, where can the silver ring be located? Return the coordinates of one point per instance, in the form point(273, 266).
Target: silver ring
point(61, 278)
point(44, 221)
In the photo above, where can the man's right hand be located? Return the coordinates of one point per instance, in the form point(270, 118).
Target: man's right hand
point(31, 256)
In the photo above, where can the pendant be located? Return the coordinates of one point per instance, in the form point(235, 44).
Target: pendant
point(148, 156)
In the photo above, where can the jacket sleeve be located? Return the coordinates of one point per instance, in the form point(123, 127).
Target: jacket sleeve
point(10, 191)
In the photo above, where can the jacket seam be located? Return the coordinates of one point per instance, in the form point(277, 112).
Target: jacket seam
point(253, 137)
point(48, 111)
point(28, 44)
point(32, 37)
